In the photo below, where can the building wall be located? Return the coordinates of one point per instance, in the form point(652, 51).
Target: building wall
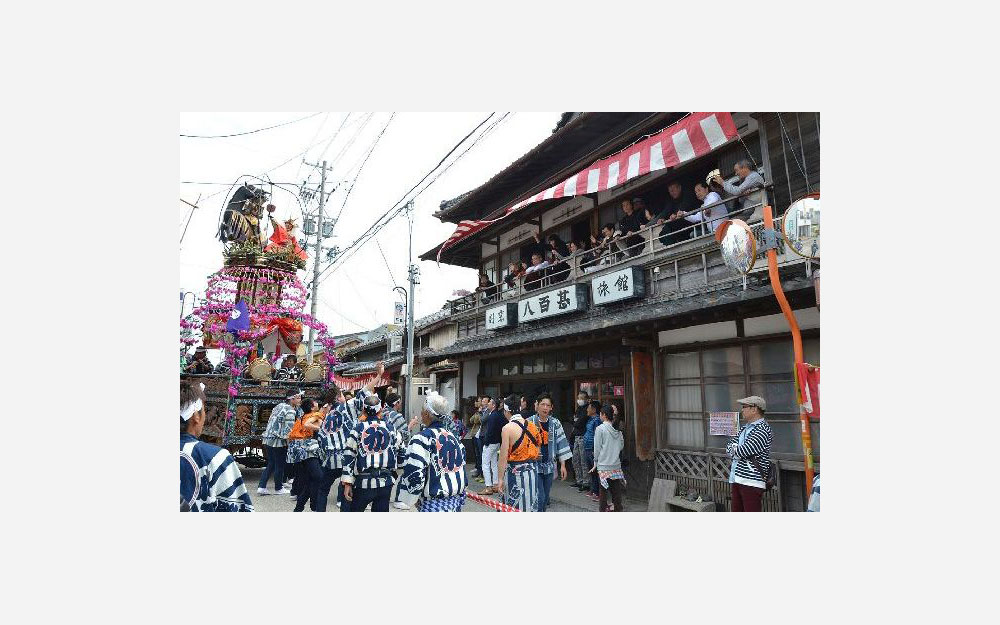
point(470, 377)
point(444, 336)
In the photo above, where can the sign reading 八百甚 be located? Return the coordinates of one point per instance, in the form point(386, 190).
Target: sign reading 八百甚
point(567, 299)
point(618, 285)
point(502, 316)
point(723, 423)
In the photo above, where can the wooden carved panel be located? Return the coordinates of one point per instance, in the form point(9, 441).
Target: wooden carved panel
point(643, 404)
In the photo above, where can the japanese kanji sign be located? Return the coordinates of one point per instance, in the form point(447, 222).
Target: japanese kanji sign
point(723, 423)
point(502, 316)
point(566, 299)
point(618, 285)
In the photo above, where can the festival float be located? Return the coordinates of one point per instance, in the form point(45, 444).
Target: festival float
point(253, 312)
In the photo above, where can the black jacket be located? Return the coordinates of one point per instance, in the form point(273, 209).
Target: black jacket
point(579, 423)
point(494, 424)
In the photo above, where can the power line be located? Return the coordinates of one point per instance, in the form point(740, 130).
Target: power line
point(358, 243)
point(377, 225)
point(250, 132)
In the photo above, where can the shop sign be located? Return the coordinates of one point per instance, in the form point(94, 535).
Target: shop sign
point(723, 423)
point(618, 285)
point(503, 316)
point(570, 298)
point(619, 391)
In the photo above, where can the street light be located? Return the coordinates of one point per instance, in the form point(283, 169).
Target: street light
point(800, 228)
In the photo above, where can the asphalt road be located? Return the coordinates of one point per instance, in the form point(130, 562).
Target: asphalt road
point(564, 498)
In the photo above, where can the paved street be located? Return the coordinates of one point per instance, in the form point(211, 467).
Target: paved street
point(564, 498)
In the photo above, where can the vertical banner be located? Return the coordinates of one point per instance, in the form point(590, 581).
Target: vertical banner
point(643, 404)
point(397, 317)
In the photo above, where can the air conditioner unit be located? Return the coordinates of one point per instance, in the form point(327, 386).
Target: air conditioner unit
point(396, 344)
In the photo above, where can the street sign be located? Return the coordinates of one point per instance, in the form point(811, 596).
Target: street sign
point(570, 298)
point(503, 316)
point(398, 315)
point(616, 286)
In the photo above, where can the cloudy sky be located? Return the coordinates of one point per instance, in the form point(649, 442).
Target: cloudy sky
point(358, 294)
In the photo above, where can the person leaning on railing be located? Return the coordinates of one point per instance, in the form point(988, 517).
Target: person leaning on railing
point(515, 272)
point(750, 181)
point(535, 273)
point(677, 202)
point(713, 215)
point(629, 227)
point(487, 288)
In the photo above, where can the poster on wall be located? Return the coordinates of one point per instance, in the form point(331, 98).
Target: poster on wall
point(723, 423)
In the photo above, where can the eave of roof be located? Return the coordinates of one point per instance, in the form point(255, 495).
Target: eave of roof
point(594, 319)
point(558, 158)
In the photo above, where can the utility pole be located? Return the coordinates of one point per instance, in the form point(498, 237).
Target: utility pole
point(414, 279)
point(316, 255)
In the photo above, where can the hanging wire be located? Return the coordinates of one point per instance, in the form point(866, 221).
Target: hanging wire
point(250, 132)
point(790, 144)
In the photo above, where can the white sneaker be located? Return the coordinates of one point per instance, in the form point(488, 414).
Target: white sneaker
point(399, 505)
point(263, 491)
point(287, 484)
point(283, 491)
point(338, 504)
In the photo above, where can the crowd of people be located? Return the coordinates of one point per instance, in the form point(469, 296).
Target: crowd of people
point(379, 457)
point(522, 446)
point(552, 260)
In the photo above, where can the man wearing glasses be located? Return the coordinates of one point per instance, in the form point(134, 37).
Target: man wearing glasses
point(751, 454)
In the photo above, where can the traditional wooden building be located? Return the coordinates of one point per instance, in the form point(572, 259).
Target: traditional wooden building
point(685, 337)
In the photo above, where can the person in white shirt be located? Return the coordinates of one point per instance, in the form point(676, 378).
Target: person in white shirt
point(535, 273)
point(713, 216)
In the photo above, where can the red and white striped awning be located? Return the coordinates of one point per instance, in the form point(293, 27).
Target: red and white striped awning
point(694, 136)
point(355, 383)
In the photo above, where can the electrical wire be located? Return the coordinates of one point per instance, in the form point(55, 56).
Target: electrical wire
point(365, 236)
point(250, 132)
point(358, 243)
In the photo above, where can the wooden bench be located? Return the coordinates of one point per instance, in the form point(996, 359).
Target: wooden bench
point(663, 499)
point(673, 503)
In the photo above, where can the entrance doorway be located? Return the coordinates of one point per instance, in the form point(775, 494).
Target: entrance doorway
point(607, 390)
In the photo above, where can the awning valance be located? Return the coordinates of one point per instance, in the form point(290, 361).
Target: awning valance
point(694, 136)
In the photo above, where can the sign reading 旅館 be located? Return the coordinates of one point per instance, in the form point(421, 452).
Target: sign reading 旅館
point(618, 285)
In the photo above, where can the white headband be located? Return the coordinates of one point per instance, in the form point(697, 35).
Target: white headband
point(428, 408)
point(188, 411)
point(507, 408)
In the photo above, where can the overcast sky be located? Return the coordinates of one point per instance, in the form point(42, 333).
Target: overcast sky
point(358, 295)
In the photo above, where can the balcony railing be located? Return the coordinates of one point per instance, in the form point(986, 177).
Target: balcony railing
point(644, 248)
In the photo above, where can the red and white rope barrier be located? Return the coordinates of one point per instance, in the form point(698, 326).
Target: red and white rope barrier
point(496, 505)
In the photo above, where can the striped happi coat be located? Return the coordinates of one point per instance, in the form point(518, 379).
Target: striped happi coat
point(372, 445)
point(435, 469)
point(336, 428)
point(210, 479)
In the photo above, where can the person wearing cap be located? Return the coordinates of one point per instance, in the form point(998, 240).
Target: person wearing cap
point(554, 449)
point(750, 450)
point(520, 449)
point(370, 456)
point(434, 471)
point(200, 363)
point(210, 478)
point(275, 441)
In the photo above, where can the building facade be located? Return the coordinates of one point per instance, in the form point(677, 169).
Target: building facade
point(659, 326)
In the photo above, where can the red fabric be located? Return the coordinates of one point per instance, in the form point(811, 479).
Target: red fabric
point(280, 239)
point(808, 383)
point(355, 383)
point(746, 498)
point(688, 131)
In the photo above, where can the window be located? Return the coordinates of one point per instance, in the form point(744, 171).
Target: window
point(580, 361)
point(711, 380)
